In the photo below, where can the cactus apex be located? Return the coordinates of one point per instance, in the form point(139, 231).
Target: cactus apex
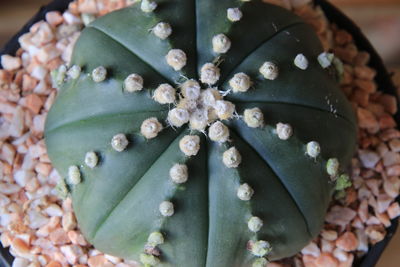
point(231, 158)
point(234, 14)
point(224, 109)
point(119, 142)
point(332, 167)
point(313, 149)
point(91, 159)
point(260, 248)
point(190, 145)
point(150, 128)
point(245, 192)
point(240, 82)
point(179, 173)
point(176, 58)
point(133, 83)
point(209, 74)
point(221, 43)
point(218, 132)
point(178, 117)
point(190, 89)
point(99, 74)
point(74, 175)
point(74, 72)
point(284, 131)
point(166, 208)
point(301, 62)
point(269, 70)
point(254, 117)
point(155, 239)
point(210, 96)
point(255, 224)
point(162, 30)
point(198, 119)
point(165, 94)
point(148, 6)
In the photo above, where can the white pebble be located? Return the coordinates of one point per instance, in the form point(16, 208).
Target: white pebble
point(301, 62)
point(325, 59)
point(313, 149)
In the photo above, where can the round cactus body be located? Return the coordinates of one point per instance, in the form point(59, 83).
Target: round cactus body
point(223, 165)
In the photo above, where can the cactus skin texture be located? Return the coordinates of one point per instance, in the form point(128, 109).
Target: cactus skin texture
point(117, 201)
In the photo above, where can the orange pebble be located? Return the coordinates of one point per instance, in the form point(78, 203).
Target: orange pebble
point(347, 242)
point(326, 260)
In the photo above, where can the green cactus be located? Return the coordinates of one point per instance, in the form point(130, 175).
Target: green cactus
point(148, 185)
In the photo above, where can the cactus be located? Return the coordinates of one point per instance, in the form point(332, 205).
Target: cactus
point(200, 133)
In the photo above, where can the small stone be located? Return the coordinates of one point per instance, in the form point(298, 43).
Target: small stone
point(245, 192)
point(284, 131)
point(224, 109)
point(10, 63)
point(240, 82)
point(325, 59)
point(231, 158)
point(119, 142)
point(198, 119)
point(234, 14)
point(179, 173)
point(91, 159)
point(178, 116)
point(269, 70)
point(332, 167)
point(368, 158)
point(218, 132)
point(301, 62)
point(162, 30)
point(155, 239)
point(176, 58)
point(326, 260)
point(255, 224)
point(165, 94)
point(394, 210)
point(260, 262)
point(190, 89)
point(148, 6)
point(190, 145)
point(74, 175)
point(209, 74)
point(221, 43)
point(254, 117)
point(340, 215)
point(347, 242)
point(166, 208)
point(99, 74)
point(74, 72)
point(150, 128)
point(391, 158)
point(133, 83)
point(260, 248)
point(149, 260)
point(313, 149)
point(311, 249)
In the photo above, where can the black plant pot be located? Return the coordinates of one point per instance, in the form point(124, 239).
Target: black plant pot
point(383, 80)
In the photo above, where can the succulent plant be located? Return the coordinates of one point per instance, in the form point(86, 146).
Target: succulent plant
point(200, 133)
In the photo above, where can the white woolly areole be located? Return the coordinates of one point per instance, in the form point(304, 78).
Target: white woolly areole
point(190, 89)
point(245, 192)
point(332, 167)
point(133, 83)
point(74, 72)
point(253, 117)
point(179, 173)
point(224, 109)
point(301, 62)
point(313, 149)
point(166, 208)
point(165, 94)
point(176, 58)
point(240, 82)
point(198, 119)
point(99, 74)
point(221, 43)
point(231, 158)
point(234, 14)
point(119, 142)
point(260, 248)
point(148, 6)
point(155, 239)
point(218, 132)
point(162, 30)
point(284, 131)
point(74, 175)
point(325, 59)
point(269, 70)
point(149, 260)
point(150, 128)
point(178, 117)
point(210, 96)
point(190, 145)
point(260, 262)
point(255, 224)
point(209, 74)
point(91, 159)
